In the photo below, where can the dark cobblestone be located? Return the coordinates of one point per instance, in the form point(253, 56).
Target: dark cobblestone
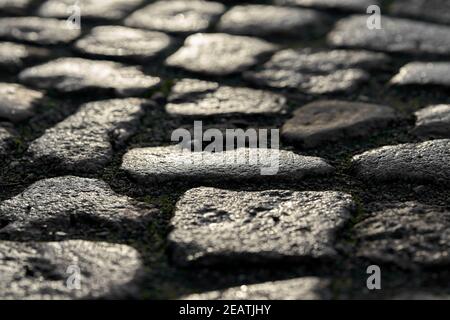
point(6, 135)
point(14, 56)
point(17, 102)
point(345, 5)
point(421, 73)
point(433, 121)
point(14, 6)
point(432, 10)
point(256, 227)
point(38, 270)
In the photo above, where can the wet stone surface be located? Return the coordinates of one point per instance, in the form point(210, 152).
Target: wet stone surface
point(433, 121)
point(85, 141)
point(263, 20)
point(421, 73)
point(433, 10)
point(330, 120)
point(174, 163)
point(17, 102)
point(177, 16)
point(35, 30)
point(426, 161)
point(220, 54)
point(67, 205)
point(190, 97)
point(407, 234)
point(69, 75)
point(396, 35)
point(90, 9)
point(14, 56)
point(307, 288)
point(256, 227)
point(123, 42)
point(317, 72)
point(38, 270)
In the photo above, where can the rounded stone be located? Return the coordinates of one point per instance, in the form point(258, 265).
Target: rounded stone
point(17, 102)
point(433, 121)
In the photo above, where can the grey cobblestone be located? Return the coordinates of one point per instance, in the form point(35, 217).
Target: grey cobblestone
point(396, 35)
point(317, 72)
point(75, 74)
point(35, 30)
point(6, 135)
point(204, 98)
point(38, 270)
point(264, 20)
point(432, 10)
point(14, 6)
point(256, 227)
point(219, 53)
point(423, 73)
point(17, 102)
point(345, 5)
point(406, 234)
point(123, 42)
point(178, 16)
point(328, 121)
point(14, 56)
point(426, 161)
point(307, 288)
point(84, 141)
point(433, 121)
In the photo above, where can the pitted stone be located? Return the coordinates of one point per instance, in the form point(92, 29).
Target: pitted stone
point(123, 42)
point(69, 203)
point(266, 20)
point(433, 121)
point(177, 16)
point(14, 56)
point(17, 102)
point(426, 161)
point(40, 31)
point(175, 163)
point(192, 97)
point(328, 120)
point(90, 9)
point(344, 5)
point(406, 233)
point(219, 53)
point(316, 72)
point(84, 141)
point(75, 74)
point(396, 35)
point(214, 226)
point(7, 133)
point(306, 288)
point(43, 270)
point(433, 10)
point(423, 73)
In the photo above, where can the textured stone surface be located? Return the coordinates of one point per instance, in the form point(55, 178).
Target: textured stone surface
point(432, 10)
point(173, 163)
point(14, 56)
point(214, 226)
point(76, 74)
point(426, 161)
point(40, 270)
point(6, 135)
point(265, 20)
point(196, 98)
point(396, 35)
point(123, 42)
point(406, 233)
point(307, 288)
point(433, 121)
point(40, 31)
point(68, 204)
point(14, 6)
point(177, 16)
point(316, 72)
point(219, 53)
point(17, 102)
point(90, 9)
point(423, 73)
point(329, 120)
point(346, 5)
point(84, 141)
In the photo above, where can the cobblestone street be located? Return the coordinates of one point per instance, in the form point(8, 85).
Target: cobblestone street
point(89, 175)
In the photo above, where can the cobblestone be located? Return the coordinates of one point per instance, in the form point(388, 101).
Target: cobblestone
point(14, 6)
point(190, 97)
point(433, 10)
point(75, 74)
point(219, 54)
point(14, 56)
point(178, 16)
point(84, 142)
point(421, 73)
point(256, 227)
point(396, 35)
point(328, 121)
point(38, 270)
point(17, 102)
point(433, 121)
point(345, 5)
point(6, 135)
